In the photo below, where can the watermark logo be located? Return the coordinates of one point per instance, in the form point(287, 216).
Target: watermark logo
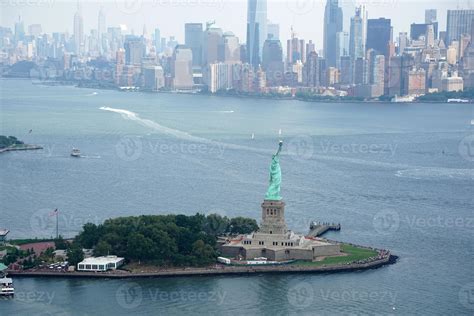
point(466, 148)
point(129, 295)
point(300, 7)
point(27, 3)
point(466, 296)
point(301, 295)
point(129, 6)
point(386, 221)
point(129, 148)
point(301, 147)
point(43, 222)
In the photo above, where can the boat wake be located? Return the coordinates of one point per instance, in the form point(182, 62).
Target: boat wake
point(436, 173)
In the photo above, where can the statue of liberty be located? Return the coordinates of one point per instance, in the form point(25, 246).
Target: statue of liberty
point(273, 192)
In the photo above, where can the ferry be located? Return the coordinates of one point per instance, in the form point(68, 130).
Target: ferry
point(404, 99)
point(6, 287)
point(76, 153)
point(458, 101)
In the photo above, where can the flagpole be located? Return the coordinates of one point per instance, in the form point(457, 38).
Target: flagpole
point(57, 224)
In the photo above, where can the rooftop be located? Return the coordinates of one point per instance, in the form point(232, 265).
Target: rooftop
point(104, 259)
point(4, 232)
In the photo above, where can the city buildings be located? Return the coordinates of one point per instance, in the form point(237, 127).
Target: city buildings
point(333, 23)
point(256, 30)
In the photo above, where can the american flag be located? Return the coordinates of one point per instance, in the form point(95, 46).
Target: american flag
point(53, 213)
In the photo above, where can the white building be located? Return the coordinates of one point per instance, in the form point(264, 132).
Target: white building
point(100, 263)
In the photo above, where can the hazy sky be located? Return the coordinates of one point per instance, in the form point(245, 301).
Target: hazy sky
point(306, 16)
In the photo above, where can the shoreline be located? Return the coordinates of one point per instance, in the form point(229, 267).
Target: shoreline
point(20, 148)
point(209, 272)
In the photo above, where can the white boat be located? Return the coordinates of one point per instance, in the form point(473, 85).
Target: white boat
point(75, 152)
point(458, 101)
point(6, 287)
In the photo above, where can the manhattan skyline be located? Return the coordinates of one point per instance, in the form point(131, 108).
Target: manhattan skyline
point(307, 20)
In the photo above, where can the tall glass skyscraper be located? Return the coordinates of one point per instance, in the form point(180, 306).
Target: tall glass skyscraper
point(459, 22)
point(332, 25)
point(193, 37)
point(379, 35)
point(256, 30)
point(356, 43)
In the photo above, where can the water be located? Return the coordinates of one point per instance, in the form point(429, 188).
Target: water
point(395, 176)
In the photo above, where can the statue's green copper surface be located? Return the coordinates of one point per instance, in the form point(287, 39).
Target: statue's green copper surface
point(273, 192)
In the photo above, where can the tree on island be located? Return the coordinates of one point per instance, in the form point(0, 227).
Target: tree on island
point(75, 254)
point(171, 240)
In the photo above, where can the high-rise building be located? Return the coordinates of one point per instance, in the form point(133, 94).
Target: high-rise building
point(78, 30)
point(272, 62)
point(356, 44)
point(229, 51)
point(157, 40)
point(379, 35)
point(415, 82)
point(19, 30)
point(273, 31)
point(402, 42)
point(459, 22)
point(193, 37)
point(430, 16)
point(212, 46)
point(361, 71)
point(101, 29)
point(333, 24)
point(377, 75)
point(347, 70)
point(134, 51)
point(342, 46)
point(311, 70)
point(296, 49)
point(218, 76)
point(256, 30)
point(154, 78)
point(182, 68)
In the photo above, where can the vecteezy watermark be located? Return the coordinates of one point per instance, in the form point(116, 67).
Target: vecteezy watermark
point(374, 3)
point(345, 295)
point(300, 7)
point(131, 295)
point(301, 295)
point(43, 297)
point(389, 221)
point(466, 148)
point(301, 147)
point(466, 296)
point(135, 6)
point(27, 3)
point(354, 148)
point(130, 148)
point(386, 221)
point(43, 222)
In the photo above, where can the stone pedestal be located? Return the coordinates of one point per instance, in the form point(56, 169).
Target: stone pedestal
point(273, 217)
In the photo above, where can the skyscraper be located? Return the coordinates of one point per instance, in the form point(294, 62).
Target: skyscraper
point(182, 68)
point(19, 30)
point(356, 43)
point(211, 45)
point(379, 35)
point(273, 31)
point(430, 16)
point(256, 30)
point(78, 30)
point(272, 62)
point(193, 40)
point(157, 40)
point(102, 29)
point(134, 51)
point(230, 48)
point(332, 25)
point(459, 22)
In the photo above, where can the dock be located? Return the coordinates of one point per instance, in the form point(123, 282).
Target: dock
point(317, 229)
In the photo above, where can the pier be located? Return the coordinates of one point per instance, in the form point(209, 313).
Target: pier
point(317, 229)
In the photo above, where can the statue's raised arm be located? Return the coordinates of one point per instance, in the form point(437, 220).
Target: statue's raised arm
point(273, 192)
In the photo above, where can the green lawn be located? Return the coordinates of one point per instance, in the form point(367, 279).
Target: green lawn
point(354, 253)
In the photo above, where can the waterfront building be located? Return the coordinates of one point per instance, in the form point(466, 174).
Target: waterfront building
point(347, 70)
point(415, 82)
point(154, 78)
point(256, 30)
point(274, 240)
point(100, 264)
point(459, 22)
point(193, 38)
point(182, 68)
point(452, 84)
point(379, 35)
point(134, 50)
point(311, 70)
point(272, 62)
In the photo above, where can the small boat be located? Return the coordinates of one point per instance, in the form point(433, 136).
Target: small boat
point(458, 101)
point(6, 287)
point(253, 136)
point(76, 153)
point(403, 99)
